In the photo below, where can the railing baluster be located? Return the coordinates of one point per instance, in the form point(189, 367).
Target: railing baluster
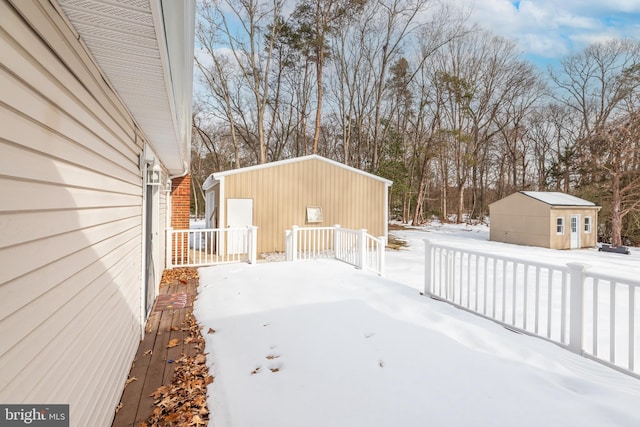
point(563, 309)
point(485, 284)
point(513, 293)
point(549, 300)
point(612, 322)
point(525, 298)
point(596, 285)
point(632, 329)
point(537, 303)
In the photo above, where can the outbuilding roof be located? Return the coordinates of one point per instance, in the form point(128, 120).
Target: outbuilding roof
point(555, 198)
point(215, 177)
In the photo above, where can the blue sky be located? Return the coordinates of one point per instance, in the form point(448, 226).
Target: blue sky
point(547, 30)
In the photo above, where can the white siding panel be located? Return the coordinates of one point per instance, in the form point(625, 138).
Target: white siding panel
point(112, 231)
point(29, 134)
point(20, 227)
point(71, 202)
point(60, 318)
point(54, 171)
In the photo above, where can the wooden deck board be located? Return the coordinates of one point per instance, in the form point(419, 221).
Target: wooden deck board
point(150, 366)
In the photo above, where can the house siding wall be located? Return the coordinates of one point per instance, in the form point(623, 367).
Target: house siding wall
point(70, 221)
point(281, 194)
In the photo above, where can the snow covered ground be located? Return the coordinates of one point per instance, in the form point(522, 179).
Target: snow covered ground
point(319, 343)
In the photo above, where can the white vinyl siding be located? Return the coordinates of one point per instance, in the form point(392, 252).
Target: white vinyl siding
point(70, 221)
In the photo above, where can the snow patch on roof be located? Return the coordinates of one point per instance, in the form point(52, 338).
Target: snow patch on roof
point(555, 198)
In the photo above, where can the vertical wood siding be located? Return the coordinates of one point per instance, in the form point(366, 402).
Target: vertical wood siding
point(281, 194)
point(70, 221)
point(520, 220)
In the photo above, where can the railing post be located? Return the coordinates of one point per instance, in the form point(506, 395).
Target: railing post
point(382, 244)
point(576, 306)
point(253, 244)
point(362, 248)
point(337, 247)
point(336, 241)
point(294, 242)
point(168, 249)
point(427, 268)
point(287, 245)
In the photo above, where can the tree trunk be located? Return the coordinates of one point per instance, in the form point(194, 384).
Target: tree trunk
point(616, 213)
point(460, 204)
point(421, 189)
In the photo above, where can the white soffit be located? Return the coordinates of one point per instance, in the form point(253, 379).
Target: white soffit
point(145, 50)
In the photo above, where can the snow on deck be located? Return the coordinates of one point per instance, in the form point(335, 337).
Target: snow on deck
point(319, 343)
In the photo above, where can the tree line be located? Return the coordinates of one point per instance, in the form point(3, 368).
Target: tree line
point(410, 91)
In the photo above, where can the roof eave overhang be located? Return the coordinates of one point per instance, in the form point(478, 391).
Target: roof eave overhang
point(145, 52)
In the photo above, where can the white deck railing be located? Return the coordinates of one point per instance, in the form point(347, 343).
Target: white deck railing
point(589, 313)
point(204, 247)
point(355, 247)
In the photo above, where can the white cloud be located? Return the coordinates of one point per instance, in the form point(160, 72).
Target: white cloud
point(553, 28)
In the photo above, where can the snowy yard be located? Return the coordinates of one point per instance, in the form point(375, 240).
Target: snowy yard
point(319, 343)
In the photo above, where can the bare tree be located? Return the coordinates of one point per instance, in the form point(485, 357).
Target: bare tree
point(615, 149)
point(242, 51)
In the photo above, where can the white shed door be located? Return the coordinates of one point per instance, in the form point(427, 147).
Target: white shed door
point(574, 228)
point(239, 215)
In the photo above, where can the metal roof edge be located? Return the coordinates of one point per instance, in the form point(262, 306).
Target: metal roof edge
point(218, 175)
point(588, 203)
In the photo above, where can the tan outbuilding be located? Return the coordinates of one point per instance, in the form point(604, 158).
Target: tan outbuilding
point(547, 219)
point(309, 191)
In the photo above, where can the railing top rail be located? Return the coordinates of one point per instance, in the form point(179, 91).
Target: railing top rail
point(593, 274)
point(552, 266)
point(315, 228)
point(612, 278)
point(377, 239)
point(346, 230)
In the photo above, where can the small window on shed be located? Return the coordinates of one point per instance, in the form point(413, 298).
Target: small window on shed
point(587, 224)
point(560, 225)
point(314, 214)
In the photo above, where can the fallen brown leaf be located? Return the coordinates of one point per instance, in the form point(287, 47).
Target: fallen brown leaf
point(179, 275)
point(174, 342)
point(184, 401)
point(130, 380)
point(211, 331)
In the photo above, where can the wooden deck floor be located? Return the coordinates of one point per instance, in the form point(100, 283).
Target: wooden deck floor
point(152, 366)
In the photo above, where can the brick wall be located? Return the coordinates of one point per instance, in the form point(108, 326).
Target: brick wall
point(180, 212)
point(180, 202)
